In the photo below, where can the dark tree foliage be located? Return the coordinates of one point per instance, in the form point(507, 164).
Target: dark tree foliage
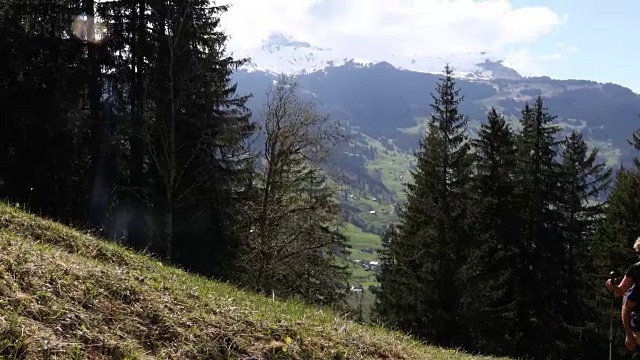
point(124, 120)
point(431, 252)
point(541, 245)
point(497, 234)
point(44, 99)
point(521, 242)
point(196, 140)
point(584, 179)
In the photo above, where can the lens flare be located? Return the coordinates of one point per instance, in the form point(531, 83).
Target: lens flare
point(87, 28)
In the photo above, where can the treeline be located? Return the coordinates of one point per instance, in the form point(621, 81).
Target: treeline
point(500, 248)
point(120, 117)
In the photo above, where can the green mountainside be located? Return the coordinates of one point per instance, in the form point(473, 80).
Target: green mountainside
point(387, 110)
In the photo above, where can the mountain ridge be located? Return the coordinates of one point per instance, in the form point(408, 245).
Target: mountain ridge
point(283, 53)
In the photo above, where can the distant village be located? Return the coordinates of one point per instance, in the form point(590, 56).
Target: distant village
point(372, 212)
point(367, 266)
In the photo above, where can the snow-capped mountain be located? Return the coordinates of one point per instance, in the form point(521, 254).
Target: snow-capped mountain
point(282, 53)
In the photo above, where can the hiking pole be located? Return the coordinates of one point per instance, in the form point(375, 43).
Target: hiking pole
point(613, 280)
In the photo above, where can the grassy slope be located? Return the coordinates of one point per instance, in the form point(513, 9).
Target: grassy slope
point(67, 295)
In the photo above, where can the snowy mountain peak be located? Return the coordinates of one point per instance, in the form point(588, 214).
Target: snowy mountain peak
point(496, 70)
point(282, 53)
point(484, 71)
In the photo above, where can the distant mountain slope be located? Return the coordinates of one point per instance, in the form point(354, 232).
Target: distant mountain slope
point(387, 107)
point(384, 102)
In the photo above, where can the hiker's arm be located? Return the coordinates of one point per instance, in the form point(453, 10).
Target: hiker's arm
point(620, 289)
point(627, 306)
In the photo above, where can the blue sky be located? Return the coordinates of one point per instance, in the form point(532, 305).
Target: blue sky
point(606, 37)
point(580, 39)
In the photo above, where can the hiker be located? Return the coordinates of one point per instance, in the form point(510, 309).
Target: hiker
point(630, 288)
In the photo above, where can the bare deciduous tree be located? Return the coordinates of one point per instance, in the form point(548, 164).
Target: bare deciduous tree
point(294, 246)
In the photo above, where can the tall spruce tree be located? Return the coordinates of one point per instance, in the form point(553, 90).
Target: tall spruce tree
point(433, 248)
point(497, 233)
point(197, 139)
point(541, 248)
point(584, 180)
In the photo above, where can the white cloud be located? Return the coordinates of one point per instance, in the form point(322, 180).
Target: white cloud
point(376, 29)
point(554, 56)
point(523, 62)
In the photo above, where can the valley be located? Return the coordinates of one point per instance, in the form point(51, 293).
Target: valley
point(386, 109)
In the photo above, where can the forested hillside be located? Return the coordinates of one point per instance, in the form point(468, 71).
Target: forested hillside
point(501, 204)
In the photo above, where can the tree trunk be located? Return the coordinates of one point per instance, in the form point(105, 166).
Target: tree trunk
point(168, 230)
point(137, 225)
point(97, 203)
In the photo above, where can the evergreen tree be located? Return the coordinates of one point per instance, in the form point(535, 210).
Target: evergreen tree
point(131, 48)
point(496, 230)
point(179, 147)
point(197, 139)
point(433, 250)
point(584, 181)
point(43, 96)
point(395, 279)
point(541, 249)
point(635, 142)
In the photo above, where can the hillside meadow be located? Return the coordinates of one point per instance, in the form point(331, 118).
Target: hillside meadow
point(69, 295)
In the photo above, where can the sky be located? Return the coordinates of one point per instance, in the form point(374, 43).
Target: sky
point(563, 39)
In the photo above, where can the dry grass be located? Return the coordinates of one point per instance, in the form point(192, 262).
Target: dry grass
point(67, 295)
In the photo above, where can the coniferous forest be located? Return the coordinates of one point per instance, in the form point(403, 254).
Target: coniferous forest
point(125, 122)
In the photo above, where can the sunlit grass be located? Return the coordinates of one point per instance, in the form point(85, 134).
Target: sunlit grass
point(69, 295)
